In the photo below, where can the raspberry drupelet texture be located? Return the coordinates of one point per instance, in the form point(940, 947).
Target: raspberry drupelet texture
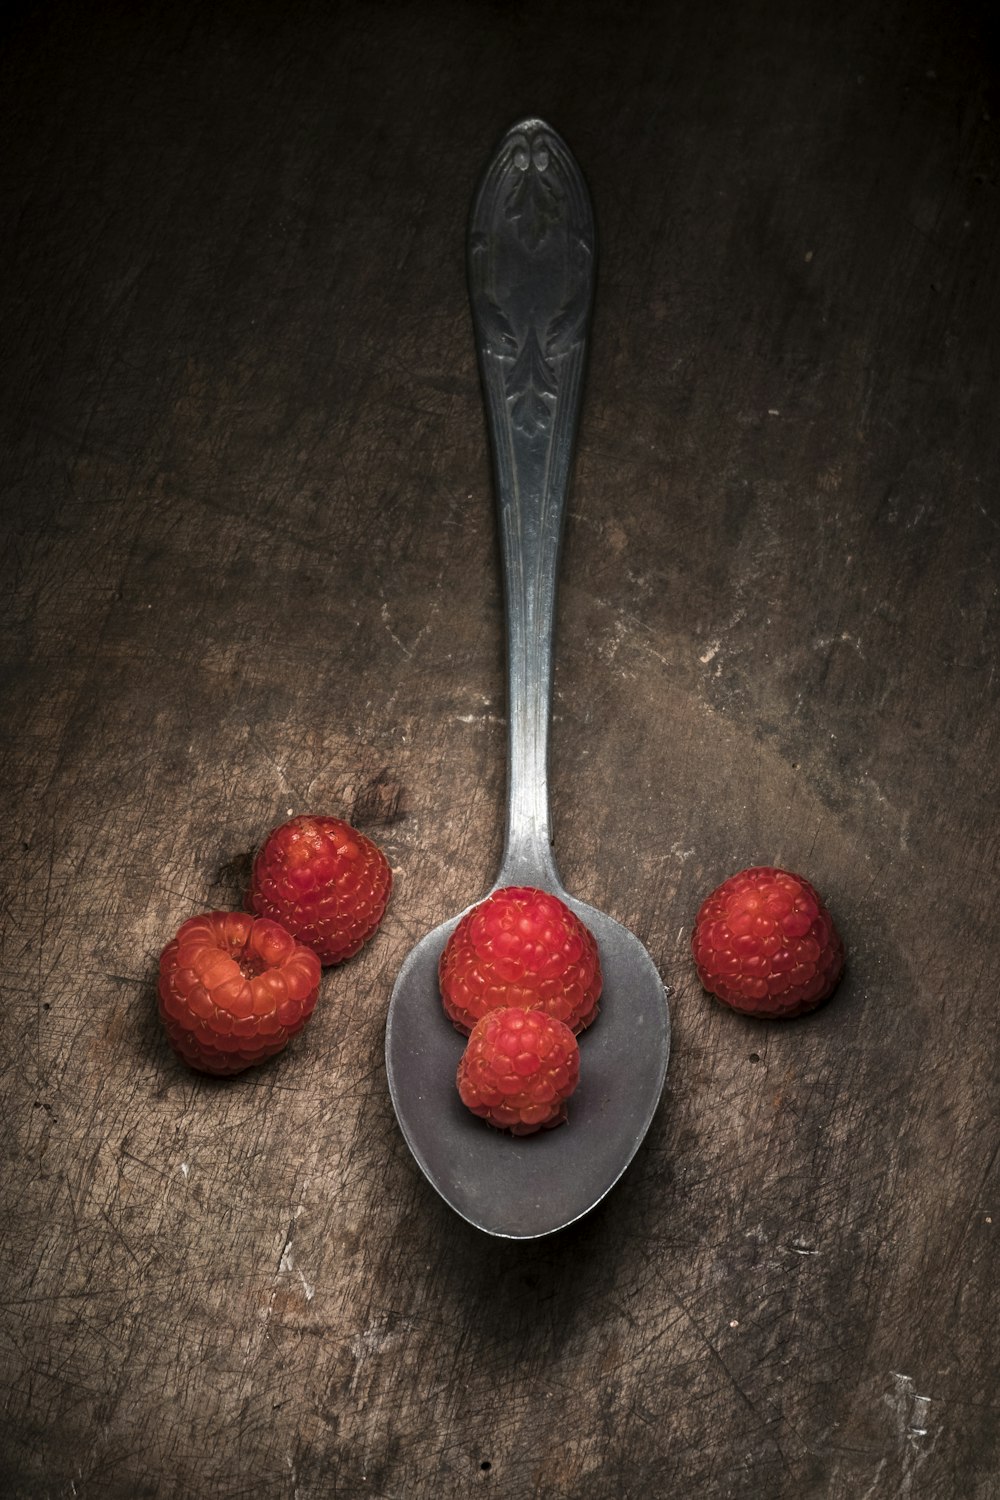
point(233, 989)
point(765, 944)
point(518, 1070)
point(521, 947)
point(323, 881)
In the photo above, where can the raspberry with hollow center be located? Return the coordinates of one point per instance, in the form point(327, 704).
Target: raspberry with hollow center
point(765, 944)
point(323, 881)
point(233, 990)
point(521, 947)
point(518, 1070)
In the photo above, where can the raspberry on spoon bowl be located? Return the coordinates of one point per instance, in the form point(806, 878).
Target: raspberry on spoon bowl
point(521, 947)
point(765, 944)
point(233, 990)
point(324, 881)
point(518, 1070)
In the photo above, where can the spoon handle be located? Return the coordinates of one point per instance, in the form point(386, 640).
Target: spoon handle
point(531, 281)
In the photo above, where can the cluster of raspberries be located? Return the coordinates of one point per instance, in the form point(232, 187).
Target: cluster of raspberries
point(520, 977)
point(234, 987)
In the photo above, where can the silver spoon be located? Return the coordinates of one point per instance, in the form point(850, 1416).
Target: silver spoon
point(531, 279)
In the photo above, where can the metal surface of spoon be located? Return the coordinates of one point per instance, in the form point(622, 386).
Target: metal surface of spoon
point(531, 277)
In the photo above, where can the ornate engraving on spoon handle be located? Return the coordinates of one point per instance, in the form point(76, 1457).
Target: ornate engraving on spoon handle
point(531, 254)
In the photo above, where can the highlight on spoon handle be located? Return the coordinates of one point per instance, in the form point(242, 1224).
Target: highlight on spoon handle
point(531, 250)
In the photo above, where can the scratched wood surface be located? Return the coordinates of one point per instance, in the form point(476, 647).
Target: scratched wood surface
point(251, 568)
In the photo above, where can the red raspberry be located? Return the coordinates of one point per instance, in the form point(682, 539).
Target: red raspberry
point(519, 1069)
point(521, 947)
point(765, 944)
point(233, 989)
point(323, 881)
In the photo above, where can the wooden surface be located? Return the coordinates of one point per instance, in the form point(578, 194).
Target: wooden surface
point(252, 569)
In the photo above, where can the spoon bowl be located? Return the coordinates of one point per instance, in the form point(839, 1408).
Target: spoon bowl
point(522, 1188)
point(531, 277)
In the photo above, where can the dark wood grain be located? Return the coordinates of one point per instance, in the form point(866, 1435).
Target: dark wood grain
point(251, 568)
